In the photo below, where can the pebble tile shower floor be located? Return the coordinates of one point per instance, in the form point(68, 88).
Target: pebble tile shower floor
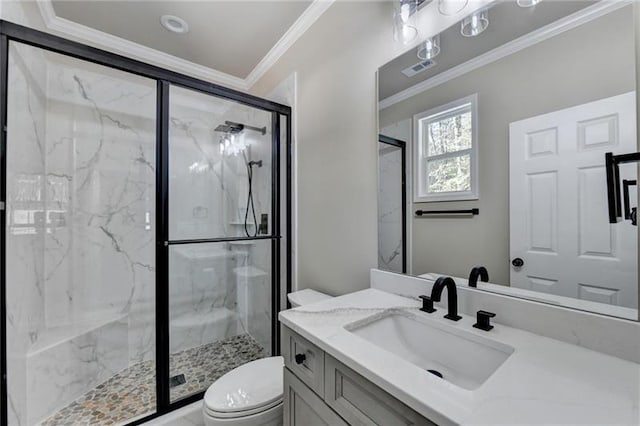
point(131, 394)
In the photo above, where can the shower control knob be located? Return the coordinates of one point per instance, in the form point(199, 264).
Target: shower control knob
point(517, 262)
point(300, 358)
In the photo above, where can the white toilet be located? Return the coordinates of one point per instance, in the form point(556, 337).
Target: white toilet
point(251, 395)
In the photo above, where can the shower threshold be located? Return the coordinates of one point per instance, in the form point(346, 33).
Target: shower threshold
point(131, 393)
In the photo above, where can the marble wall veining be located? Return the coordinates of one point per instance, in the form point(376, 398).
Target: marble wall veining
point(215, 204)
point(81, 195)
point(81, 227)
point(217, 289)
point(25, 259)
point(390, 199)
point(390, 238)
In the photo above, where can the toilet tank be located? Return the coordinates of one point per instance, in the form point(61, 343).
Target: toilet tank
point(305, 297)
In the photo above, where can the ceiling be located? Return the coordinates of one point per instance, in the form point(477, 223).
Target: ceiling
point(507, 21)
point(231, 37)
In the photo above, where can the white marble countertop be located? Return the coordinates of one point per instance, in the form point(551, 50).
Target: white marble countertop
point(544, 381)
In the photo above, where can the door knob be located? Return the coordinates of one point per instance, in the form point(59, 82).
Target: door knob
point(300, 358)
point(517, 262)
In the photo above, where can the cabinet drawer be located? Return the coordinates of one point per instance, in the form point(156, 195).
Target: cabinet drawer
point(360, 402)
point(302, 407)
point(304, 359)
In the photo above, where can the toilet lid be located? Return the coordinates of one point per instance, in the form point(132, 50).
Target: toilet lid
point(253, 385)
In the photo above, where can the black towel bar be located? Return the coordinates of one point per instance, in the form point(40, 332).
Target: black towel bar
point(447, 212)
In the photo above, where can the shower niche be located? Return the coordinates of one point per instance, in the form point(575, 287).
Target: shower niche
point(138, 267)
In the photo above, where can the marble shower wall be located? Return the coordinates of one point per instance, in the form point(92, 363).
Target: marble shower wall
point(390, 254)
point(210, 283)
point(80, 229)
point(25, 254)
point(208, 189)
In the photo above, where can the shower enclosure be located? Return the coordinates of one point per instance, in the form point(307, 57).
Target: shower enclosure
point(392, 204)
point(144, 223)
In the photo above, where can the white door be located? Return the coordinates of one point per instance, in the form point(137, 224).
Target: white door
point(559, 223)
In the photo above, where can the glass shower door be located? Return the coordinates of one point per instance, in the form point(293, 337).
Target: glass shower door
point(80, 258)
point(392, 220)
point(221, 239)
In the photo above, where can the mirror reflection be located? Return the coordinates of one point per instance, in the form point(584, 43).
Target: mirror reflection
point(506, 120)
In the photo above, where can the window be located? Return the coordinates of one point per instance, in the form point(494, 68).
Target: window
point(445, 147)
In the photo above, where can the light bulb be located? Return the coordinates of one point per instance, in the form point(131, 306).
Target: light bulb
point(404, 21)
point(430, 48)
point(528, 3)
point(451, 7)
point(475, 24)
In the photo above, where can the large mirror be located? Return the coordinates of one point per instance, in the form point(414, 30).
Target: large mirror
point(507, 141)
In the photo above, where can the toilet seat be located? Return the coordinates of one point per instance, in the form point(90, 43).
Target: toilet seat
point(250, 389)
point(238, 414)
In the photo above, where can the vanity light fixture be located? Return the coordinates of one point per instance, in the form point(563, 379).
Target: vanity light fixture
point(405, 29)
point(475, 24)
point(430, 48)
point(175, 24)
point(451, 7)
point(527, 3)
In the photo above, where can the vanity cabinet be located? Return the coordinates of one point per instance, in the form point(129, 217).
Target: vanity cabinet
point(320, 390)
point(302, 407)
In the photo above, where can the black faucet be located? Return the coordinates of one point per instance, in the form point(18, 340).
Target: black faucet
point(452, 296)
point(480, 271)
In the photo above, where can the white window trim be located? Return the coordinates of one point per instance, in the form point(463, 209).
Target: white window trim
point(419, 190)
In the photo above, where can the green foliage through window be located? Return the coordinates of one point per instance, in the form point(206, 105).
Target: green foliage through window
point(447, 141)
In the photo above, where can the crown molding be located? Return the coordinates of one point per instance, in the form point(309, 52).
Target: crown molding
point(567, 23)
point(131, 49)
point(302, 24)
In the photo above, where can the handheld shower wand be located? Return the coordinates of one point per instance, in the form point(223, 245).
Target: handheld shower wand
point(232, 129)
point(250, 205)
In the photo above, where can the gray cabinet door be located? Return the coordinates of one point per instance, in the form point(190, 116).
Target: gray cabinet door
point(302, 407)
point(304, 359)
point(361, 403)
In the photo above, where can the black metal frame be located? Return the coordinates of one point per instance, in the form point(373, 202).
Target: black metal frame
point(403, 147)
point(626, 183)
point(472, 212)
point(164, 80)
point(614, 195)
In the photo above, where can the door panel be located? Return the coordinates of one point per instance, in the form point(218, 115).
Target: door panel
point(80, 234)
point(558, 206)
point(220, 244)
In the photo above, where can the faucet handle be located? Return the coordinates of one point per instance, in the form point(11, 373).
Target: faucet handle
point(427, 304)
point(484, 320)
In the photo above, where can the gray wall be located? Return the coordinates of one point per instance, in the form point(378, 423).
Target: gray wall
point(591, 62)
point(336, 116)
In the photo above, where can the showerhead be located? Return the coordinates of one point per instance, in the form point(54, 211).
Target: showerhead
point(229, 127)
point(233, 127)
point(232, 142)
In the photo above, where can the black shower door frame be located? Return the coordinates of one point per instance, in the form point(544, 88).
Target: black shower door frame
point(164, 79)
point(403, 148)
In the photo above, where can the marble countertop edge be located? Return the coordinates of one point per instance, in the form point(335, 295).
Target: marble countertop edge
point(546, 380)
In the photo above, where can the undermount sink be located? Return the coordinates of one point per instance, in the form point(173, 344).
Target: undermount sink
point(461, 358)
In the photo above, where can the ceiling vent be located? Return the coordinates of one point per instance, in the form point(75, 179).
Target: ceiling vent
point(418, 68)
